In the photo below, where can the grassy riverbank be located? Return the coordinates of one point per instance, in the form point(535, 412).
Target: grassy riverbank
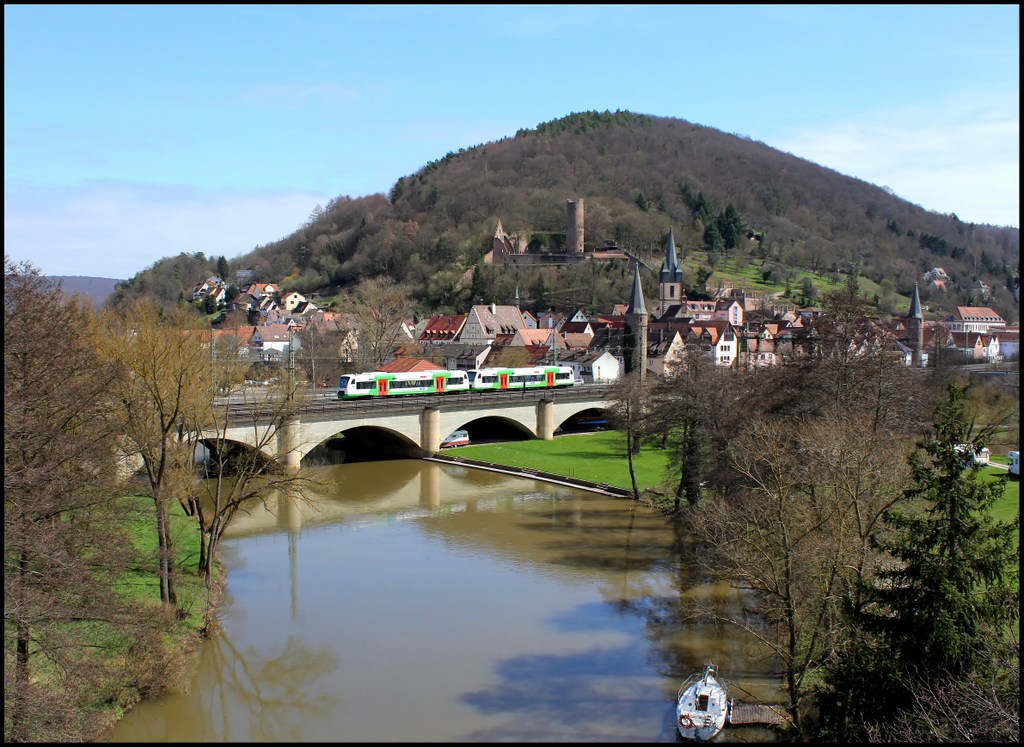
point(597, 457)
point(601, 457)
point(172, 666)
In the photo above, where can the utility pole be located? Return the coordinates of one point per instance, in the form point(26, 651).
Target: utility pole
point(213, 362)
point(554, 351)
point(291, 361)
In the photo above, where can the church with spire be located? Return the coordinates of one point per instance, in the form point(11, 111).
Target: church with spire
point(915, 329)
point(670, 282)
point(636, 323)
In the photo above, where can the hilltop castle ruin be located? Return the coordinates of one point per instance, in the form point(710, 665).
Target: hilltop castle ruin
point(514, 249)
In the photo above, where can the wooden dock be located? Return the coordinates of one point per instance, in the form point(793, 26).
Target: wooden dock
point(757, 714)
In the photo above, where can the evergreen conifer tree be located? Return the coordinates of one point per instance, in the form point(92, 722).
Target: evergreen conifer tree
point(956, 563)
point(946, 596)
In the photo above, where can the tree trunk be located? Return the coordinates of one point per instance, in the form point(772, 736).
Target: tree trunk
point(214, 534)
point(203, 555)
point(629, 457)
point(19, 732)
point(168, 594)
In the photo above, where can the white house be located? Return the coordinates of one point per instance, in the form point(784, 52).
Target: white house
point(600, 367)
point(665, 350)
point(290, 300)
point(271, 341)
point(1009, 344)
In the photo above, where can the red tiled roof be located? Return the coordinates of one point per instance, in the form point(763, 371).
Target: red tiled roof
point(405, 365)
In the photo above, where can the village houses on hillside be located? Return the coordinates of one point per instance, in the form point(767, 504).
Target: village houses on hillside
point(596, 346)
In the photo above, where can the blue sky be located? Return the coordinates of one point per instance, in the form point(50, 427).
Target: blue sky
point(133, 133)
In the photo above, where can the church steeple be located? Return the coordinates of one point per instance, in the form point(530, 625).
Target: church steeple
point(670, 272)
point(915, 329)
point(636, 297)
point(636, 321)
point(670, 279)
point(915, 306)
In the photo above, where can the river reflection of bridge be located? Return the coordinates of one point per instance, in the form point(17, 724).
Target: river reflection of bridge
point(391, 489)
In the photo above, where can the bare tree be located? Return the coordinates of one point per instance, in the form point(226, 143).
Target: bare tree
point(682, 411)
point(65, 533)
point(381, 306)
point(319, 351)
point(627, 408)
point(796, 531)
point(241, 475)
point(163, 388)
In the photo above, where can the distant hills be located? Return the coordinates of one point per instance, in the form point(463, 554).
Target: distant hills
point(98, 290)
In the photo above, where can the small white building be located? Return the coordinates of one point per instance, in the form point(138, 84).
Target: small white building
point(271, 341)
point(600, 367)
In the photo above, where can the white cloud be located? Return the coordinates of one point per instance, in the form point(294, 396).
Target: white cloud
point(961, 155)
point(116, 230)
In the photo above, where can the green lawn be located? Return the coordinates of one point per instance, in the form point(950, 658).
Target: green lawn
point(1009, 506)
point(601, 457)
point(729, 271)
point(597, 457)
point(144, 583)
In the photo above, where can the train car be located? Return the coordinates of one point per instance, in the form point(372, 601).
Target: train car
point(532, 377)
point(378, 384)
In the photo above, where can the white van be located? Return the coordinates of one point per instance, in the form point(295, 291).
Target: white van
point(456, 438)
point(1014, 468)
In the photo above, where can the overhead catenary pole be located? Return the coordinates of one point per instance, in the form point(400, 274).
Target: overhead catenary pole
point(213, 363)
point(291, 361)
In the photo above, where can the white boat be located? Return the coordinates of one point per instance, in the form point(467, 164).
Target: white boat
point(702, 706)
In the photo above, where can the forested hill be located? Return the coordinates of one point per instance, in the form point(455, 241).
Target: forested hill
point(638, 175)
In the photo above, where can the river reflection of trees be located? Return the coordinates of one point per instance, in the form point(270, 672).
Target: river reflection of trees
point(276, 692)
point(586, 605)
point(253, 693)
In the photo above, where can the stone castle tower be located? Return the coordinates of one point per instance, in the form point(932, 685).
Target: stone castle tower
point(574, 226)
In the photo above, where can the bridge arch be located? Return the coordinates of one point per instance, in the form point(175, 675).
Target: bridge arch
point(418, 426)
point(367, 443)
point(227, 449)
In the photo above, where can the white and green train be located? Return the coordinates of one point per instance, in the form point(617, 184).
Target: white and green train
point(378, 384)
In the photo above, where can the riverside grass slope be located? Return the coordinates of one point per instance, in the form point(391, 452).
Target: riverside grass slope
point(601, 457)
point(597, 457)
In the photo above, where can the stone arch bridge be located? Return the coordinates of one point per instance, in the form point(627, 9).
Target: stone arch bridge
point(418, 423)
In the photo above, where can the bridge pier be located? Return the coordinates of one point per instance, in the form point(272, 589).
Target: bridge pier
point(288, 444)
point(430, 431)
point(545, 419)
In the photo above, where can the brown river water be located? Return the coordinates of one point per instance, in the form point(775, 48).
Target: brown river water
point(421, 602)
